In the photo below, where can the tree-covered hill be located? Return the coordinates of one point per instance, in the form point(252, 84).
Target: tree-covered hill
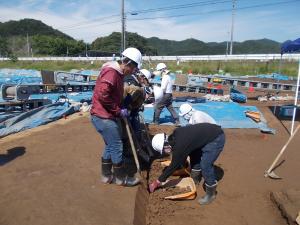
point(43, 40)
point(31, 27)
point(196, 47)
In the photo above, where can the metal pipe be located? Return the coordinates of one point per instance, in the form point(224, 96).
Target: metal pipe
point(296, 99)
point(232, 26)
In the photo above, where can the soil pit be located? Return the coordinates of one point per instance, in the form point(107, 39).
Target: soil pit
point(158, 210)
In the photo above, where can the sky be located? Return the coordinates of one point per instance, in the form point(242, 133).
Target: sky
point(205, 20)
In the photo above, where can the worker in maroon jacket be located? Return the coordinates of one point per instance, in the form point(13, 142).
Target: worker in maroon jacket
point(107, 110)
point(203, 143)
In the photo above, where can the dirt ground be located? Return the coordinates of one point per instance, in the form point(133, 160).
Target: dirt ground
point(51, 176)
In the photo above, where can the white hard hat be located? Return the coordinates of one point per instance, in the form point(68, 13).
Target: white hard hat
point(146, 73)
point(184, 109)
point(134, 54)
point(161, 66)
point(158, 142)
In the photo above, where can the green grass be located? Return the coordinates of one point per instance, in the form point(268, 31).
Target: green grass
point(249, 67)
point(51, 65)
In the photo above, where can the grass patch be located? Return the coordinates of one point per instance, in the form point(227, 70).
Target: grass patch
point(242, 67)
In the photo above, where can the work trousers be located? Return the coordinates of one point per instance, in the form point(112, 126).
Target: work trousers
point(110, 131)
point(166, 101)
point(203, 159)
point(134, 119)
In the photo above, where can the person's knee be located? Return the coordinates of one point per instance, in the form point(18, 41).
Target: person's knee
point(206, 166)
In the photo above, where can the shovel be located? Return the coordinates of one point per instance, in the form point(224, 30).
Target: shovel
point(270, 173)
point(183, 183)
point(133, 147)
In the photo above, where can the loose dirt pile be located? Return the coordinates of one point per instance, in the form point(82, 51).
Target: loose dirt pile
point(160, 210)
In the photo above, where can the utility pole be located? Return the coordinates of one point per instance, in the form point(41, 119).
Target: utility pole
point(232, 25)
point(86, 55)
point(123, 27)
point(227, 42)
point(28, 47)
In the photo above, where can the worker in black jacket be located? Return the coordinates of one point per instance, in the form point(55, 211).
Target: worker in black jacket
point(202, 143)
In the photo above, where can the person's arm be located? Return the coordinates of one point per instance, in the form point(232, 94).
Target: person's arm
point(106, 90)
point(177, 161)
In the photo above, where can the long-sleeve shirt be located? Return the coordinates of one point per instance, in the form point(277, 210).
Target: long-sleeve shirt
point(201, 117)
point(185, 140)
point(108, 92)
point(166, 84)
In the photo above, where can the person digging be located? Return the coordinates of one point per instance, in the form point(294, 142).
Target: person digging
point(106, 112)
point(203, 143)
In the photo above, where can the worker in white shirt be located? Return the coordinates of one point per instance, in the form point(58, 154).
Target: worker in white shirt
point(193, 116)
point(167, 98)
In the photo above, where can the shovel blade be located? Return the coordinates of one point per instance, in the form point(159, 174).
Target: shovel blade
point(272, 175)
point(184, 183)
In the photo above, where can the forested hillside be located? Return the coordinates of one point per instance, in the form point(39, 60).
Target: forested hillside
point(29, 37)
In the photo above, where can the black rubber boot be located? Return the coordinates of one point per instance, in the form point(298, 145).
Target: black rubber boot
point(121, 177)
point(196, 175)
point(107, 175)
point(209, 196)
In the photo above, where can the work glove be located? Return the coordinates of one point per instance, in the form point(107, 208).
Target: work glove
point(124, 113)
point(154, 185)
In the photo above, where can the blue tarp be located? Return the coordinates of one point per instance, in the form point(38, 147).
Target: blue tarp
point(35, 117)
point(157, 79)
point(237, 96)
point(73, 97)
point(290, 46)
point(274, 76)
point(226, 114)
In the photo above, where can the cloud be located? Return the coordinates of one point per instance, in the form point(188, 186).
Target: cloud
point(77, 19)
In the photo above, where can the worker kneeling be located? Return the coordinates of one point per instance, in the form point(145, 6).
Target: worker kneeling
point(203, 142)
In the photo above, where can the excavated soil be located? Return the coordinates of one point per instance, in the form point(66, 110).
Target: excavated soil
point(243, 191)
point(50, 175)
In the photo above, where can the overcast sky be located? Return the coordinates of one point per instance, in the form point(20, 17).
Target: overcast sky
point(206, 20)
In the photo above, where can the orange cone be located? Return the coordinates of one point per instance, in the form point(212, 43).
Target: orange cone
point(251, 88)
point(219, 86)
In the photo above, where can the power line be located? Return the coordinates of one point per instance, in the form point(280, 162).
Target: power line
point(92, 25)
point(89, 21)
point(174, 7)
point(214, 11)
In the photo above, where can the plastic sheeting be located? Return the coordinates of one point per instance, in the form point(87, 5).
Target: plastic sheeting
point(35, 117)
point(157, 79)
point(20, 76)
point(226, 114)
point(237, 96)
point(290, 46)
point(73, 97)
point(274, 76)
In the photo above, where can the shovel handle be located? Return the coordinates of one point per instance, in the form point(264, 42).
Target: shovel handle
point(282, 151)
point(132, 145)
